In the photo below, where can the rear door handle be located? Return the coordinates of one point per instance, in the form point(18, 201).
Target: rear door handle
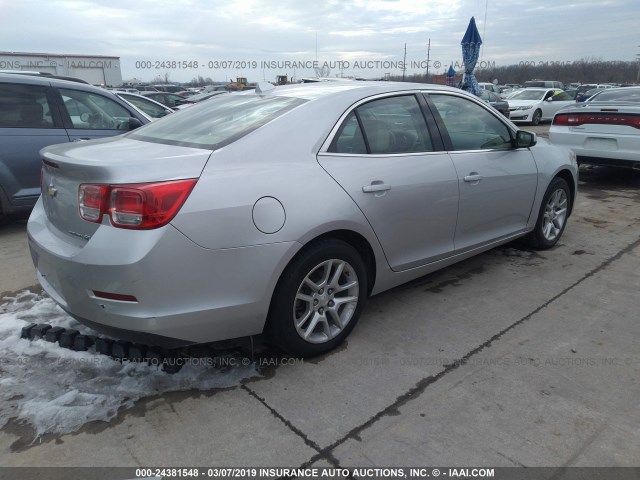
point(80, 139)
point(376, 187)
point(473, 177)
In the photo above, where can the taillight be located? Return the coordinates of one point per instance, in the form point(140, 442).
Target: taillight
point(576, 119)
point(92, 201)
point(140, 206)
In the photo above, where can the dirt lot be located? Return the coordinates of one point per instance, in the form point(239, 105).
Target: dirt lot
point(512, 358)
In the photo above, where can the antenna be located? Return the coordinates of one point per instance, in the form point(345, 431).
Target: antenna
point(404, 63)
point(428, 53)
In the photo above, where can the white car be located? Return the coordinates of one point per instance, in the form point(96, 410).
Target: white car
point(490, 87)
point(605, 130)
point(537, 104)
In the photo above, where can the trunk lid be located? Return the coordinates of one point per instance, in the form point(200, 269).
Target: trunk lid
point(108, 161)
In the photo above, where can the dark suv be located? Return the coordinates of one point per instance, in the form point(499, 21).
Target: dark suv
point(38, 111)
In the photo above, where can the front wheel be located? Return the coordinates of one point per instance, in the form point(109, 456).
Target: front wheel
point(537, 116)
point(553, 215)
point(318, 299)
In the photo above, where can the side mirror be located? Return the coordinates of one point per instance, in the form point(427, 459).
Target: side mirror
point(550, 99)
point(525, 139)
point(134, 123)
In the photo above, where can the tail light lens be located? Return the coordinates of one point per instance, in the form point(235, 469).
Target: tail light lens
point(141, 206)
point(576, 119)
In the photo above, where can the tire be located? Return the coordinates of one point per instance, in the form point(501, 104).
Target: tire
point(309, 316)
point(553, 215)
point(537, 115)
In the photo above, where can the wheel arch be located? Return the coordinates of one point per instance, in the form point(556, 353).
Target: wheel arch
point(568, 177)
point(351, 237)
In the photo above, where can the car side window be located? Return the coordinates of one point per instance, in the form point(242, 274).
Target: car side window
point(349, 138)
point(470, 126)
point(92, 111)
point(24, 106)
point(387, 125)
point(561, 97)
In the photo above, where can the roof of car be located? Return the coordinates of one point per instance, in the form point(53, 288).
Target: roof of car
point(46, 80)
point(311, 91)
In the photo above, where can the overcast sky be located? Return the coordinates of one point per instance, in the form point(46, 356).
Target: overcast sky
point(335, 30)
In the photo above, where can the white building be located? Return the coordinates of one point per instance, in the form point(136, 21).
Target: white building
point(95, 69)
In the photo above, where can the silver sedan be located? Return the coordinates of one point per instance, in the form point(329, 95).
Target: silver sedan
point(282, 210)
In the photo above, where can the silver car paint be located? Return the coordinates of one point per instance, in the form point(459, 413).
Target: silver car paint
point(220, 284)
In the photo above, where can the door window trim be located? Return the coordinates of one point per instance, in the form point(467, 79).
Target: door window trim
point(434, 134)
point(448, 144)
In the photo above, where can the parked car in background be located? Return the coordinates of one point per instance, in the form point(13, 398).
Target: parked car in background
point(572, 92)
point(148, 106)
point(490, 87)
point(587, 90)
point(513, 85)
point(37, 111)
point(605, 130)
point(206, 95)
point(496, 102)
point(536, 104)
point(168, 88)
point(216, 88)
point(186, 93)
point(160, 244)
point(170, 100)
point(544, 84)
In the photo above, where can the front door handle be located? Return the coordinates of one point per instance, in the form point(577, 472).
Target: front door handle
point(80, 139)
point(376, 187)
point(473, 177)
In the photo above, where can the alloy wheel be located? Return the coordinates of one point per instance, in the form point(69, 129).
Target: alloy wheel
point(326, 301)
point(555, 214)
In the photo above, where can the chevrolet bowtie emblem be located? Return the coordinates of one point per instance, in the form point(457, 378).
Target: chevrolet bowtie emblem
point(52, 191)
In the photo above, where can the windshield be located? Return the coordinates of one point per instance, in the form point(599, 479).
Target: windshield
point(528, 95)
point(218, 122)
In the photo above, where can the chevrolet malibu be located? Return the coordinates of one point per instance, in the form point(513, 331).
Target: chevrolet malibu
point(281, 210)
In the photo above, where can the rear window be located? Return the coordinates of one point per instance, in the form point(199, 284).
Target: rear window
point(217, 122)
point(619, 95)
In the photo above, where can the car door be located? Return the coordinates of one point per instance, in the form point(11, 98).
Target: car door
point(497, 181)
point(89, 115)
point(28, 122)
point(387, 158)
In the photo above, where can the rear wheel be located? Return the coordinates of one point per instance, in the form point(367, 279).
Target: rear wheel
point(318, 299)
point(553, 215)
point(537, 115)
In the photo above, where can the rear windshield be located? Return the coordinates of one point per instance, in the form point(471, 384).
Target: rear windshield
point(216, 122)
point(619, 95)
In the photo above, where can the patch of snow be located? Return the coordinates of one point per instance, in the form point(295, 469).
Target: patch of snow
point(57, 390)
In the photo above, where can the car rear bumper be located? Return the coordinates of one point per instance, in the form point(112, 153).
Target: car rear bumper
point(598, 148)
point(184, 293)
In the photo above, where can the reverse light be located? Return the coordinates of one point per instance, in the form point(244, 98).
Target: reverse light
point(91, 202)
point(577, 119)
point(140, 206)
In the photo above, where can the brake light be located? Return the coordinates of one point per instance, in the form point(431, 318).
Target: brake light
point(576, 119)
point(140, 206)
